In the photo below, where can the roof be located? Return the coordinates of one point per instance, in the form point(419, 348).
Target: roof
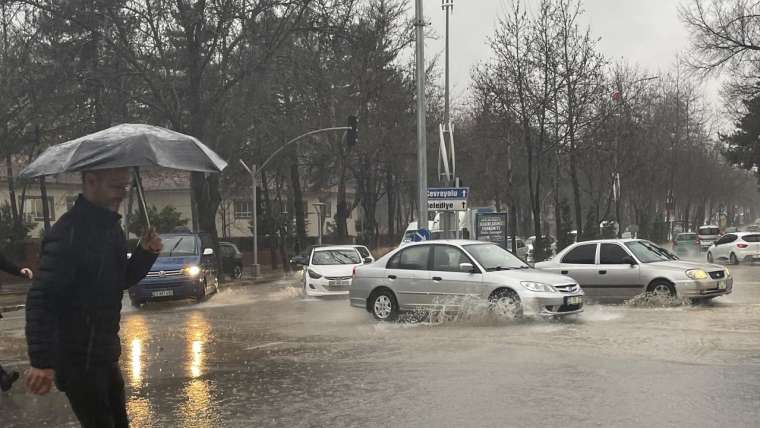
point(334, 247)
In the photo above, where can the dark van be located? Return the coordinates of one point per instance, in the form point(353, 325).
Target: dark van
point(185, 269)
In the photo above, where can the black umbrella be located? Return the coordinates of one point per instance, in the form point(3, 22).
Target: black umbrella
point(127, 145)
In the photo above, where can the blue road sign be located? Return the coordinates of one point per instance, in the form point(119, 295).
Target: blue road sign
point(421, 235)
point(448, 193)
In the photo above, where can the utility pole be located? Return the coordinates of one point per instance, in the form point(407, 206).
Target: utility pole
point(448, 219)
point(422, 186)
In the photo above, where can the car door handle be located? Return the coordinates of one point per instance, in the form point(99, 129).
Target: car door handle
point(564, 272)
point(602, 272)
point(437, 278)
point(391, 276)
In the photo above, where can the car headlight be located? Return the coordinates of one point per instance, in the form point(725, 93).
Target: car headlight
point(538, 286)
point(192, 271)
point(313, 275)
point(696, 274)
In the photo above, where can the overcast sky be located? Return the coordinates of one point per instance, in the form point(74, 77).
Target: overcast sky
point(644, 32)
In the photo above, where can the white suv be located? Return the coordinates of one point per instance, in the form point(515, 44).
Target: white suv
point(736, 247)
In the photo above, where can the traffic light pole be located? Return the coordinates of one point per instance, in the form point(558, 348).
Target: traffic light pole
point(422, 186)
point(253, 171)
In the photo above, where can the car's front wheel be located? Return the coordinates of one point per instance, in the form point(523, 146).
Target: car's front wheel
point(383, 305)
point(732, 259)
point(237, 272)
point(202, 292)
point(506, 303)
point(662, 289)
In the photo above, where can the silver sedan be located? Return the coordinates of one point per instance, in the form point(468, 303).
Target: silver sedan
point(443, 274)
point(624, 268)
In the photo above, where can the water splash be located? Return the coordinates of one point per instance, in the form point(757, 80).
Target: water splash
point(652, 300)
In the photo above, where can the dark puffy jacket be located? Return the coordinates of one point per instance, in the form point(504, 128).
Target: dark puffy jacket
point(73, 309)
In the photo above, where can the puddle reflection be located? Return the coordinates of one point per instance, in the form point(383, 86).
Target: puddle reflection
point(199, 408)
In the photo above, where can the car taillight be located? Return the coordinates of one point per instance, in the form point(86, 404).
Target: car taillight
point(742, 245)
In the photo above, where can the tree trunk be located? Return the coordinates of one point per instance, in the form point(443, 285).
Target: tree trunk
point(17, 220)
point(45, 205)
point(269, 217)
point(390, 191)
point(576, 193)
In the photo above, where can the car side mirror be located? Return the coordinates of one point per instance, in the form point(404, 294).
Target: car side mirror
point(367, 260)
point(629, 261)
point(208, 252)
point(466, 267)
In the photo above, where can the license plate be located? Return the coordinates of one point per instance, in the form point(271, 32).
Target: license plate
point(163, 293)
point(575, 300)
point(338, 283)
point(721, 285)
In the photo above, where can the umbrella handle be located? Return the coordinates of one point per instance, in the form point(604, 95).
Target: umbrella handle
point(141, 196)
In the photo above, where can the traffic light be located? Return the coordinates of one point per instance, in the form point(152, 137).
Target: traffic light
point(352, 134)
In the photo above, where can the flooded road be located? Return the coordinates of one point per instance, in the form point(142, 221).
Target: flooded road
point(265, 356)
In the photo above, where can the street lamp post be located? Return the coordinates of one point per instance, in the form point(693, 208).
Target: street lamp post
point(253, 170)
point(616, 187)
point(318, 207)
point(422, 190)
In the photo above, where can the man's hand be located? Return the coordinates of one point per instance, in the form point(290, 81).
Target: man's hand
point(27, 273)
point(152, 242)
point(39, 381)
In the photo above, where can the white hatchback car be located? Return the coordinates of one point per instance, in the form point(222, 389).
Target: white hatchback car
point(328, 270)
point(735, 248)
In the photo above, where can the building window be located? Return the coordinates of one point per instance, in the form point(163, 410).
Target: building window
point(33, 206)
point(243, 209)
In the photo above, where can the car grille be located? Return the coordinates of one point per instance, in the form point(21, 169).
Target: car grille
point(718, 274)
point(567, 288)
point(164, 273)
point(564, 308)
point(337, 278)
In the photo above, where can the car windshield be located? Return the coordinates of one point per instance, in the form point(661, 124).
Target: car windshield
point(648, 252)
point(492, 257)
point(336, 257)
point(178, 246)
point(363, 251)
point(687, 237)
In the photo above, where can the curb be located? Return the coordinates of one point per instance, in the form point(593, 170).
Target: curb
point(11, 308)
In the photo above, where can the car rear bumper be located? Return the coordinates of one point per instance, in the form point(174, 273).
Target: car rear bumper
point(747, 255)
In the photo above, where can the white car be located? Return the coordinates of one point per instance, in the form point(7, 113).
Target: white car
point(442, 274)
point(707, 235)
point(522, 249)
point(735, 248)
point(328, 270)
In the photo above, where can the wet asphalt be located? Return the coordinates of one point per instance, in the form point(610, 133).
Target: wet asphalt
point(267, 356)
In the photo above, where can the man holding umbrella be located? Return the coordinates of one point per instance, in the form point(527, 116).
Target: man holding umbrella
point(73, 308)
